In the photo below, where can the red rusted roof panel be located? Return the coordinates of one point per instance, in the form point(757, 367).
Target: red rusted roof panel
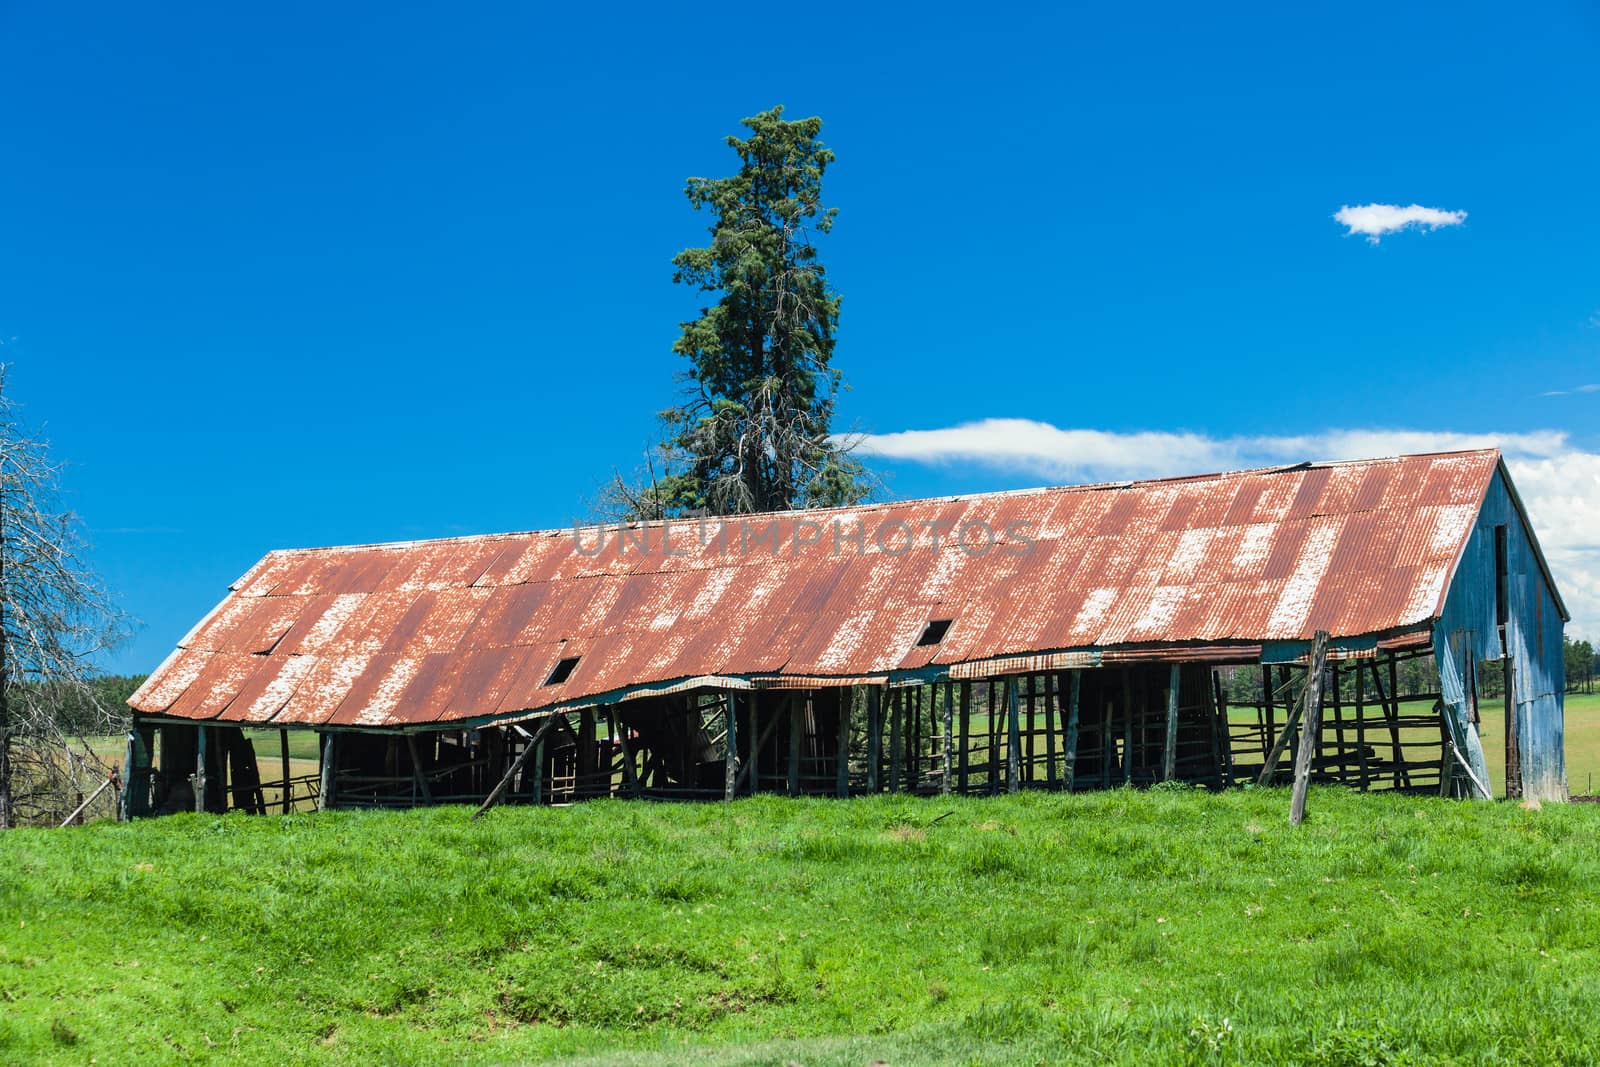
point(455, 629)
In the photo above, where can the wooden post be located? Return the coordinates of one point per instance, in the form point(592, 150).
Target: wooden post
point(896, 756)
point(1169, 749)
point(966, 735)
point(1127, 726)
point(1013, 736)
point(730, 772)
point(994, 742)
point(1269, 720)
point(874, 738)
point(538, 771)
point(1508, 674)
point(283, 760)
point(1361, 727)
point(1291, 718)
point(753, 762)
point(516, 765)
point(847, 705)
point(1071, 743)
point(1052, 701)
point(325, 793)
point(1224, 727)
point(584, 785)
point(1310, 733)
point(949, 738)
point(796, 725)
point(200, 769)
point(417, 774)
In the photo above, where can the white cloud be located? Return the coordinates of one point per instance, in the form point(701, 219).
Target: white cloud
point(1559, 483)
point(1375, 220)
point(1568, 392)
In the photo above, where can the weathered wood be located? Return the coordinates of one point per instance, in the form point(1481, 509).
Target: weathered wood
point(1127, 726)
point(1291, 719)
point(949, 739)
point(1361, 727)
point(111, 780)
point(1052, 698)
point(749, 770)
point(994, 741)
point(325, 797)
point(283, 756)
point(586, 769)
point(730, 771)
point(752, 767)
point(796, 729)
point(963, 772)
point(1169, 748)
point(417, 774)
point(1508, 675)
point(874, 738)
point(1071, 743)
point(1013, 736)
point(516, 765)
point(1309, 735)
point(897, 757)
point(538, 771)
point(1221, 738)
point(847, 705)
point(199, 769)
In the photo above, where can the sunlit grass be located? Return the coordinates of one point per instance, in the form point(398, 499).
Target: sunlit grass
point(1140, 927)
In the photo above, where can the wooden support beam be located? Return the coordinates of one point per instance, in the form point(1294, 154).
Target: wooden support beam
point(538, 770)
point(949, 738)
point(897, 757)
point(1508, 675)
point(1071, 742)
point(325, 796)
point(1127, 726)
point(1291, 719)
point(1013, 736)
point(200, 769)
point(1310, 735)
point(730, 770)
point(283, 757)
point(417, 775)
point(1361, 728)
point(752, 766)
point(847, 707)
point(796, 729)
point(516, 765)
point(966, 736)
point(1169, 747)
point(1052, 702)
point(874, 737)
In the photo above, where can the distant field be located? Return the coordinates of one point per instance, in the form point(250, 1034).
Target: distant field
point(1124, 927)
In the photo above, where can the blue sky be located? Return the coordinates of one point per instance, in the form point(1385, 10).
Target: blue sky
point(280, 277)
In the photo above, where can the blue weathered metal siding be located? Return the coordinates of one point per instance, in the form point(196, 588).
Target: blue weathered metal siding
point(1466, 633)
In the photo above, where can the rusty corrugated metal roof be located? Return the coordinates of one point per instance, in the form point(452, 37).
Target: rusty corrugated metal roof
point(471, 628)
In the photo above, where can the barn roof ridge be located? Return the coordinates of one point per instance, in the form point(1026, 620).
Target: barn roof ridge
point(882, 505)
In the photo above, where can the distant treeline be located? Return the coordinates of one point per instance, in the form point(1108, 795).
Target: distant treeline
point(100, 707)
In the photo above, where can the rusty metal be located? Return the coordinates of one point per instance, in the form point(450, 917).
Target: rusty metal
point(469, 629)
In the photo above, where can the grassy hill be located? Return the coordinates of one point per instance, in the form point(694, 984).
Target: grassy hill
point(1134, 927)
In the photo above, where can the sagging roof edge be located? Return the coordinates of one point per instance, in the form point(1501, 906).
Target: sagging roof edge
point(1533, 539)
point(871, 506)
point(1276, 653)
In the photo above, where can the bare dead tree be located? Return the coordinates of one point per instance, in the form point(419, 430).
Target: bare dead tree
point(55, 618)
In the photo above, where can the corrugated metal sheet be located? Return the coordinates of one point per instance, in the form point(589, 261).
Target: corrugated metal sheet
point(471, 628)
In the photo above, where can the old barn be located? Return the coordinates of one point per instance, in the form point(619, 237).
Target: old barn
point(1064, 638)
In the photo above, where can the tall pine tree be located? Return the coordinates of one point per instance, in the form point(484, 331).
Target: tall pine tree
point(754, 430)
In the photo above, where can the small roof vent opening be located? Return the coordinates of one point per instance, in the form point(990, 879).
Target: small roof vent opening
point(563, 670)
point(934, 633)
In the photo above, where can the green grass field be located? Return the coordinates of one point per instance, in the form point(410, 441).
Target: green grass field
point(1130, 927)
